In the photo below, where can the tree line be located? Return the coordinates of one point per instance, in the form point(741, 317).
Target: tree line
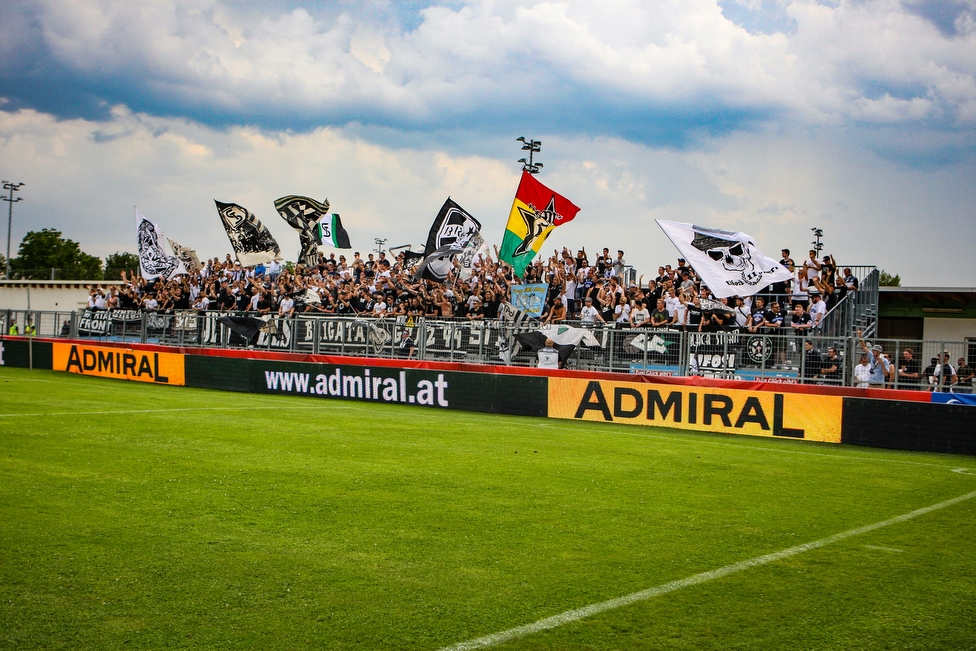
point(46, 255)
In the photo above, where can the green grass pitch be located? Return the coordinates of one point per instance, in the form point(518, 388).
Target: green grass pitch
point(135, 516)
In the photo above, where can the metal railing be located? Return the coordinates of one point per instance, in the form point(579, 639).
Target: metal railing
point(774, 355)
point(857, 311)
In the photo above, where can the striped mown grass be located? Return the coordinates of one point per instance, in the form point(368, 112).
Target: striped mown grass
point(140, 516)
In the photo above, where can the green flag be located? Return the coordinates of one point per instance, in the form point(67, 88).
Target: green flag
point(329, 231)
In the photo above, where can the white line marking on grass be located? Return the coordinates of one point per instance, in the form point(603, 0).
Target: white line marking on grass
point(885, 549)
point(147, 411)
point(963, 471)
point(577, 614)
point(131, 411)
point(157, 411)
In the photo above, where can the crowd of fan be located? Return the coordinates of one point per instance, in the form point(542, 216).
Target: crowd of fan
point(603, 290)
point(579, 289)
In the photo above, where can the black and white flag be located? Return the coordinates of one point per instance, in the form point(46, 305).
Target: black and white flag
point(452, 232)
point(512, 321)
point(411, 259)
point(729, 262)
point(474, 253)
point(564, 338)
point(252, 242)
point(154, 262)
point(315, 226)
point(187, 256)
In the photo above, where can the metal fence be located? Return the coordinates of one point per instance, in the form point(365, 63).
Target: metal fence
point(768, 356)
point(857, 311)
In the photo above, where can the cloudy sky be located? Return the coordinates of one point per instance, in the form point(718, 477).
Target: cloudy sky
point(767, 116)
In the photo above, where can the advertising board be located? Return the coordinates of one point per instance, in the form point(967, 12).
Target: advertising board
point(712, 409)
point(119, 363)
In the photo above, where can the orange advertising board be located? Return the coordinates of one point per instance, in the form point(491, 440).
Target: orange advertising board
point(119, 363)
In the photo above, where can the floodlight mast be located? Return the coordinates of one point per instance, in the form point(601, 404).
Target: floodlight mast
point(13, 187)
point(531, 146)
point(817, 244)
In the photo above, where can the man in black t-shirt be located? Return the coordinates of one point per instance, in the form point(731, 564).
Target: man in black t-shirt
point(786, 260)
point(758, 315)
point(662, 276)
point(800, 321)
point(226, 300)
point(772, 320)
point(830, 366)
point(966, 374)
point(773, 325)
point(812, 360)
point(910, 370)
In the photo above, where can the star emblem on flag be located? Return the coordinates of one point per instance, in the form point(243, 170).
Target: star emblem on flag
point(536, 223)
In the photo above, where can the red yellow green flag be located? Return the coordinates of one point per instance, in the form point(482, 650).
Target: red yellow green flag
point(535, 212)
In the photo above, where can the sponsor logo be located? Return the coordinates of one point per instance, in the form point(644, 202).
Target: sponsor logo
point(125, 364)
point(364, 386)
point(640, 369)
point(732, 411)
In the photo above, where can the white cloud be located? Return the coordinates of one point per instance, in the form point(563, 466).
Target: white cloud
point(802, 107)
point(839, 65)
point(85, 177)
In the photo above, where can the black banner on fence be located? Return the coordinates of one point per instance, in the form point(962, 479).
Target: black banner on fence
point(98, 323)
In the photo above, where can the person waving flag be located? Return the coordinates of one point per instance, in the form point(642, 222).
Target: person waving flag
point(535, 212)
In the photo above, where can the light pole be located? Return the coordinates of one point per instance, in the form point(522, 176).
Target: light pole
point(13, 187)
point(817, 244)
point(379, 244)
point(531, 146)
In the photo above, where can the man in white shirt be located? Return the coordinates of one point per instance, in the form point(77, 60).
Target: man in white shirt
point(811, 267)
point(379, 305)
point(273, 269)
point(671, 301)
point(944, 375)
point(589, 315)
point(286, 308)
point(743, 315)
point(548, 356)
point(640, 316)
point(619, 265)
point(818, 309)
point(862, 373)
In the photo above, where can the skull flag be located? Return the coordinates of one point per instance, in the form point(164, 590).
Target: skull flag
point(727, 261)
point(153, 259)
